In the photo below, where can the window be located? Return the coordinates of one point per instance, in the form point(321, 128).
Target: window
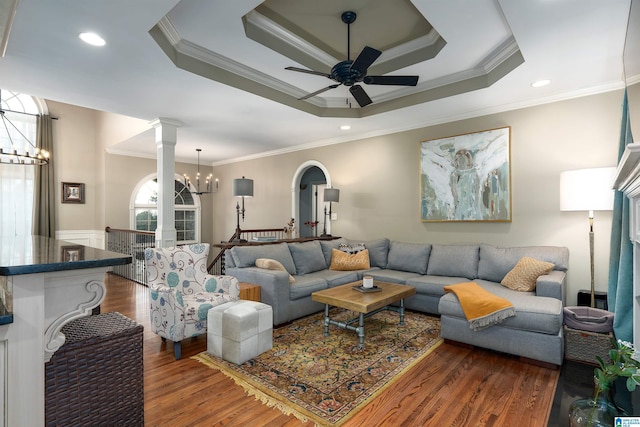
point(187, 210)
point(17, 182)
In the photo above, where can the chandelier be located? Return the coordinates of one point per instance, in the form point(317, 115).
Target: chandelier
point(208, 181)
point(19, 154)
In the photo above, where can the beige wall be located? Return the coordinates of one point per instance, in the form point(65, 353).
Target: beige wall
point(75, 160)
point(379, 183)
point(378, 178)
point(81, 137)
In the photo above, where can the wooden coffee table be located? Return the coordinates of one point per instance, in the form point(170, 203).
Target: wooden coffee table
point(366, 304)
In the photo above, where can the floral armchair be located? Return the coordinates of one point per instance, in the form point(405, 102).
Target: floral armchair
point(182, 291)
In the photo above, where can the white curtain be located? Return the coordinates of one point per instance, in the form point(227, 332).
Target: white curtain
point(17, 181)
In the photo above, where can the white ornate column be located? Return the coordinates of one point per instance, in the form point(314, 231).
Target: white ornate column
point(166, 139)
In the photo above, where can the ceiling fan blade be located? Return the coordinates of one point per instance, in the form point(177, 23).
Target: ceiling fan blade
point(365, 59)
point(309, 95)
point(360, 95)
point(302, 70)
point(391, 80)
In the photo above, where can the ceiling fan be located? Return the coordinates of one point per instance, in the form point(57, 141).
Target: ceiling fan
point(350, 72)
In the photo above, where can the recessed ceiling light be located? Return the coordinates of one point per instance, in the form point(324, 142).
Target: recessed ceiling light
point(92, 38)
point(540, 83)
point(345, 127)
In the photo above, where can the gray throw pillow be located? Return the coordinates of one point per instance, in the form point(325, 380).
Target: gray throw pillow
point(410, 257)
point(454, 261)
point(307, 257)
point(328, 245)
point(245, 256)
point(378, 251)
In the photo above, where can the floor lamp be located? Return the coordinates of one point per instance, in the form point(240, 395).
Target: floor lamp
point(330, 195)
point(588, 190)
point(242, 187)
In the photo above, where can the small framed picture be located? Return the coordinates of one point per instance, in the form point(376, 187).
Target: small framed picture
point(72, 192)
point(72, 253)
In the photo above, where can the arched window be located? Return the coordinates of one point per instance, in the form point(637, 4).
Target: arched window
point(144, 209)
point(17, 181)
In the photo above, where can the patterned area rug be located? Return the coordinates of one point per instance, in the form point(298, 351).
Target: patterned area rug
point(328, 379)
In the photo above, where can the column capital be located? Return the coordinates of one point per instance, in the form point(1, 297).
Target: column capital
point(163, 121)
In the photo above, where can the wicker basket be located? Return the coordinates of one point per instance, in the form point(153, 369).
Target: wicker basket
point(584, 346)
point(96, 377)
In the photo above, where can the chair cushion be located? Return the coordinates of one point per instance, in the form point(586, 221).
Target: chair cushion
point(196, 308)
point(307, 257)
point(181, 268)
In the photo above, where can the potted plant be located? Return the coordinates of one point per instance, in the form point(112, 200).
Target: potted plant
point(600, 410)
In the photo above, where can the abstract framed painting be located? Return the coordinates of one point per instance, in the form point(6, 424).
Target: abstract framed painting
point(466, 177)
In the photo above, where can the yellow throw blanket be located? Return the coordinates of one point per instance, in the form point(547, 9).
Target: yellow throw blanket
point(481, 308)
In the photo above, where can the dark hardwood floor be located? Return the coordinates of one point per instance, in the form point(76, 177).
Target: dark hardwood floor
point(455, 386)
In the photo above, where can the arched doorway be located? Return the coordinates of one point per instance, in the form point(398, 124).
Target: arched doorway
point(307, 188)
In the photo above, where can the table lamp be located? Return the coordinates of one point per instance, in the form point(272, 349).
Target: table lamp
point(242, 187)
point(330, 195)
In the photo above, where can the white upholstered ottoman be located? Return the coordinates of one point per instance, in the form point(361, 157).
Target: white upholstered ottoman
point(239, 330)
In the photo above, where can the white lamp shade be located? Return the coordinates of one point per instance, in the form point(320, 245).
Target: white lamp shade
point(587, 189)
point(243, 187)
point(331, 195)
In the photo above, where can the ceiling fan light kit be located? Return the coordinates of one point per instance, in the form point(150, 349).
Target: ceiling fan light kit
point(349, 72)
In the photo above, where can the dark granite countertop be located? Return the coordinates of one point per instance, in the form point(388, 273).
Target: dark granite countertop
point(37, 254)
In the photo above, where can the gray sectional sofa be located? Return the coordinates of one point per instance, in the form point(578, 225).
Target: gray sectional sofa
point(535, 332)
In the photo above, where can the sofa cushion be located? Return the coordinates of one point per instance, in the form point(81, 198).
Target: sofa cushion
point(391, 276)
point(245, 256)
point(272, 264)
point(305, 286)
point(343, 261)
point(327, 245)
point(433, 285)
point(524, 275)
point(307, 257)
point(496, 262)
point(378, 251)
point(454, 260)
point(334, 277)
point(411, 257)
point(533, 313)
